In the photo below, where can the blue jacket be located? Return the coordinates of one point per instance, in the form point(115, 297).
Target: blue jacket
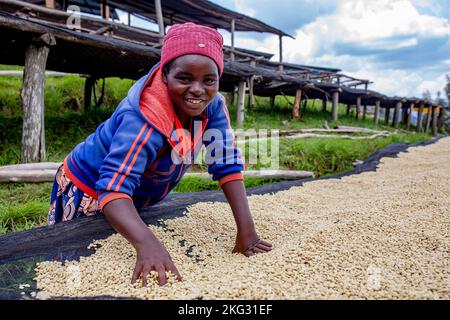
point(136, 154)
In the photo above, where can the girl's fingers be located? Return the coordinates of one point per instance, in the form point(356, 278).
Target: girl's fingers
point(258, 250)
point(162, 278)
point(144, 276)
point(263, 247)
point(265, 243)
point(136, 273)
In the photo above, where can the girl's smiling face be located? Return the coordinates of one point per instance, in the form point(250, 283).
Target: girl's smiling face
point(193, 82)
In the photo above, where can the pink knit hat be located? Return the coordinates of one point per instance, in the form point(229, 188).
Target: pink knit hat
point(191, 38)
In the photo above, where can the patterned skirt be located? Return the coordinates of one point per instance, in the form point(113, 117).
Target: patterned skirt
point(68, 202)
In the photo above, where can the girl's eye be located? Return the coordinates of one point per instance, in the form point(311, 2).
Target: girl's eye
point(184, 79)
point(210, 82)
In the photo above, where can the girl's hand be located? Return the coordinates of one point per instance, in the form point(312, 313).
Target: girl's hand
point(251, 245)
point(153, 256)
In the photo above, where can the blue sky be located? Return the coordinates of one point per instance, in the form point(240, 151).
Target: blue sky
point(401, 45)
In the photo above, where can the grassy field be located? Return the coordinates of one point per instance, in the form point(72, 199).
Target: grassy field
point(23, 206)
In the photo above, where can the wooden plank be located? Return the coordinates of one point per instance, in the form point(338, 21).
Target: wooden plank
point(296, 108)
point(241, 103)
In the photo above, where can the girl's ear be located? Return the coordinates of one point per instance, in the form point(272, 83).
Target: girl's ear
point(164, 77)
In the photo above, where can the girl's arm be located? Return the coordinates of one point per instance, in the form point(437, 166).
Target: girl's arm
point(151, 254)
point(247, 239)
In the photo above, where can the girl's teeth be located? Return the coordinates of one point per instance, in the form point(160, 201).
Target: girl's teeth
point(194, 101)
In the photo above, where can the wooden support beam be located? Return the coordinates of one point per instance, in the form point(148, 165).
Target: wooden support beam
point(387, 111)
point(420, 118)
point(251, 85)
point(358, 107)
point(272, 101)
point(324, 105)
point(364, 112)
point(434, 121)
point(347, 109)
point(88, 86)
point(377, 112)
point(427, 124)
point(441, 119)
point(241, 103)
point(32, 95)
point(410, 110)
point(50, 4)
point(233, 30)
point(335, 108)
point(104, 10)
point(160, 20)
point(281, 48)
point(398, 108)
point(296, 108)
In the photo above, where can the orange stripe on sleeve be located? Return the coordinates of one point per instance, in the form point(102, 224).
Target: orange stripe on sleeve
point(122, 166)
point(113, 196)
point(149, 133)
point(231, 177)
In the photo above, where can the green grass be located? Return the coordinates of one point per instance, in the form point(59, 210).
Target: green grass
point(23, 206)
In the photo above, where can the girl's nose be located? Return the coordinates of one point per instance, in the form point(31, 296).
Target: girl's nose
point(196, 89)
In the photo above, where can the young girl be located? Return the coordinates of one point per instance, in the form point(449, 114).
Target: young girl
point(135, 158)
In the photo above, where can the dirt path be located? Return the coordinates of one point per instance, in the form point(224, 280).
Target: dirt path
point(376, 235)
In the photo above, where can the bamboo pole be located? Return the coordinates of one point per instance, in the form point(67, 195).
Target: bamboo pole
point(377, 111)
point(335, 105)
point(420, 118)
point(296, 108)
point(241, 103)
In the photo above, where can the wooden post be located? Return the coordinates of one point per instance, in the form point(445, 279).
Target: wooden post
point(272, 101)
point(420, 118)
point(335, 107)
point(160, 19)
point(387, 111)
point(324, 105)
point(233, 29)
point(88, 85)
point(104, 9)
point(241, 103)
point(410, 111)
point(281, 48)
point(230, 98)
point(434, 121)
point(347, 110)
point(129, 19)
point(398, 108)
point(377, 111)
point(427, 124)
point(296, 108)
point(364, 112)
point(50, 4)
point(441, 120)
point(358, 107)
point(405, 115)
point(251, 82)
point(32, 95)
